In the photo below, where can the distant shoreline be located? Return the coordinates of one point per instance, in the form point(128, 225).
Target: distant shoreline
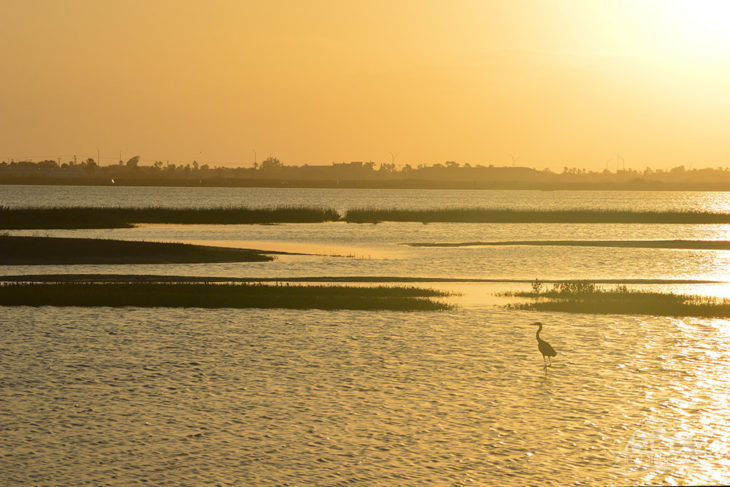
point(634, 185)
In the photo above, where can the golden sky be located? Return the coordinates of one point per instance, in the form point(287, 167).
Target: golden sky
point(541, 83)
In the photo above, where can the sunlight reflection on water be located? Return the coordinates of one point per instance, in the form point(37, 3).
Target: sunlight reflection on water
point(342, 199)
point(278, 396)
point(377, 250)
point(192, 396)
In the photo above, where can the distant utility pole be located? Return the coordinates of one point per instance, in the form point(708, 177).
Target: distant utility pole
point(98, 157)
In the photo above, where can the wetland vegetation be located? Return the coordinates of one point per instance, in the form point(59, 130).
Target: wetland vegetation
point(587, 297)
point(506, 215)
point(638, 244)
point(114, 217)
point(91, 217)
point(70, 277)
point(16, 250)
point(206, 295)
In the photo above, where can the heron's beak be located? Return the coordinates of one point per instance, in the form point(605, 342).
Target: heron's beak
point(537, 323)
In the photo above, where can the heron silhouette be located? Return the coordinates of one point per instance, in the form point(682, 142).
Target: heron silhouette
point(545, 348)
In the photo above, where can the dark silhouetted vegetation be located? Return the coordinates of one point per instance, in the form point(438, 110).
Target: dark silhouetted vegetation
point(220, 296)
point(51, 250)
point(306, 279)
point(639, 244)
point(497, 215)
point(357, 174)
point(86, 217)
point(587, 297)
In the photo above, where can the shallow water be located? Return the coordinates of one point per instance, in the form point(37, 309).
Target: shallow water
point(377, 250)
point(328, 398)
point(342, 199)
point(280, 397)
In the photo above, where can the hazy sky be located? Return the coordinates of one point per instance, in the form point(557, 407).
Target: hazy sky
point(543, 83)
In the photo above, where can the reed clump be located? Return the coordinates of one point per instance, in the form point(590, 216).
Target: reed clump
point(506, 215)
point(90, 217)
point(587, 297)
point(205, 295)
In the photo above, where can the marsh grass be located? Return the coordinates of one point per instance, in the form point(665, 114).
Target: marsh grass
point(205, 295)
point(497, 215)
point(89, 217)
point(56, 250)
point(587, 297)
point(638, 244)
point(72, 277)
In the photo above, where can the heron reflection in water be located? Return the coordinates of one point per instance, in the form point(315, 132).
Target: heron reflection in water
point(545, 348)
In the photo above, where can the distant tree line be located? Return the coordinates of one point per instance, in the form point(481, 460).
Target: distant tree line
point(272, 172)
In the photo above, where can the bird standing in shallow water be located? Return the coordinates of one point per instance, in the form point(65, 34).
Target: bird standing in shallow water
point(545, 348)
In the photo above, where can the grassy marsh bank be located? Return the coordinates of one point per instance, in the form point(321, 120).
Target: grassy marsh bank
point(89, 217)
point(329, 279)
point(221, 296)
point(497, 215)
point(637, 244)
point(586, 297)
point(55, 250)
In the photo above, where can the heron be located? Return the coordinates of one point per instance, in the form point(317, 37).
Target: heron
point(545, 348)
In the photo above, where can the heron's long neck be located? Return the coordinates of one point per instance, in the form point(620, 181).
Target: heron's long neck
point(537, 335)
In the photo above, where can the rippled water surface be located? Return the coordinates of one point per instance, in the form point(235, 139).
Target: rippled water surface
point(341, 199)
point(342, 249)
point(277, 397)
point(328, 398)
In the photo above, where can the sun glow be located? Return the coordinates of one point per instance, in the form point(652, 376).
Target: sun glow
point(695, 28)
point(548, 83)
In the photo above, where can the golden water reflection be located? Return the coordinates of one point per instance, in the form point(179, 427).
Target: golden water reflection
point(269, 397)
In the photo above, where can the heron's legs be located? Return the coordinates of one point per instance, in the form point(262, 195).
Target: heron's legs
point(546, 362)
